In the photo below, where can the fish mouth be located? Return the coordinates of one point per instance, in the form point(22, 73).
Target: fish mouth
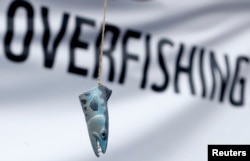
point(98, 146)
point(100, 152)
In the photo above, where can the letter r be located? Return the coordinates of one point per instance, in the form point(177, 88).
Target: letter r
point(214, 152)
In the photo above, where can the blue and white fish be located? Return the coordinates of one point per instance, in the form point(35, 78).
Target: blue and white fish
point(94, 104)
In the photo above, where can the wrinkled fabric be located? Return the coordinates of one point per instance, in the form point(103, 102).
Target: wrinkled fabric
point(157, 112)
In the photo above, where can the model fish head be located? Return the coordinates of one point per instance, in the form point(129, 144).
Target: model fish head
point(98, 133)
point(94, 104)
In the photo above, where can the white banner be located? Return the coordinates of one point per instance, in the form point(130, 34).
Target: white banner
point(179, 72)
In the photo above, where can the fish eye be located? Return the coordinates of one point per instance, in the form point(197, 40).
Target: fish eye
point(103, 135)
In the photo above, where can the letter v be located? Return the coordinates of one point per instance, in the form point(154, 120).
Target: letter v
point(49, 55)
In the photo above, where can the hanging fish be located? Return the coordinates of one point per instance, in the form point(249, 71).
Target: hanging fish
point(95, 109)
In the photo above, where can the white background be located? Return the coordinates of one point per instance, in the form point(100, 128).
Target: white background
point(41, 117)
